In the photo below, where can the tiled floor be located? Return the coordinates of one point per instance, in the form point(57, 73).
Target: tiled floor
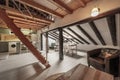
point(57, 66)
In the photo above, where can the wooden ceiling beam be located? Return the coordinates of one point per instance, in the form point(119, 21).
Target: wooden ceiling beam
point(24, 21)
point(28, 23)
point(24, 26)
point(52, 38)
point(26, 15)
point(57, 34)
point(32, 25)
point(97, 33)
point(27, 20)
point(73, 37)
point(37, 6)
point(74, 41)
point(53, 35)
point(82, 2)
point(29, 26)
point(13, 11)
point(87, 35)
point(54, 32)
point(63, 6)
point(112, 27)
point(78, 36)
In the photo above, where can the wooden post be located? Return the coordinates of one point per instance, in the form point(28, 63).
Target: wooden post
point(41, 41)
point(61, 55)
point(46, 45)
point(7, 3)
point(10, 24)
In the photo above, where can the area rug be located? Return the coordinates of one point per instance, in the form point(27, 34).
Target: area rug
point(76, 56)
point(53, 77)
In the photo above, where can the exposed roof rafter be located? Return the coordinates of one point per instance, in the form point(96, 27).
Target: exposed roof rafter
point(54, 33)
point(73, 37)
point(97, 33)
point(51, 37)
point(112, 27)
point(78, 36)
point(87, 35)
point(64, 37)
point(82, 3)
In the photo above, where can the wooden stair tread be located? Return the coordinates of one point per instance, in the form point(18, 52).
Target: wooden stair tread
point(82, 72)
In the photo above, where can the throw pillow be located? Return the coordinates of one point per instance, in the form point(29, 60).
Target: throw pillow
point(105, 53)
point(113, 51)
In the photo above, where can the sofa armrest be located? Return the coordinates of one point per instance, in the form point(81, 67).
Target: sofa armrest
point(94, 52)
point(114, 56)
point(108, 60)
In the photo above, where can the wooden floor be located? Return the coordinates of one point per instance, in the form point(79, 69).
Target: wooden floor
point(69, 62)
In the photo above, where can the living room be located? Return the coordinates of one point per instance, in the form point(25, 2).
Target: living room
point(63, 42)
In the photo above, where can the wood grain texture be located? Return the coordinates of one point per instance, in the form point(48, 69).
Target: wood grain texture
point(21, 36)
point(81, 72)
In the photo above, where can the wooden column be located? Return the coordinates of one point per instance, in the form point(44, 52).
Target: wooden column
point(46, 36)
point(61, 55)
point(10, 24)
point(41, 41)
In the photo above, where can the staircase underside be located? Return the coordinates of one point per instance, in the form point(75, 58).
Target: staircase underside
point(10, 24)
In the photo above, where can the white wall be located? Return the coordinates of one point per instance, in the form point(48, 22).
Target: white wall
point(44, 42)
point(90, 47)
point(82, 13)
point(50, 41)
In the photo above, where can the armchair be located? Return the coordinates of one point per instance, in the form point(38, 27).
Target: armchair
point(109, 64)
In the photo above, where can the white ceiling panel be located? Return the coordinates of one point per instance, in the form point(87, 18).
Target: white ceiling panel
point(103, 28)
point(72, 34)
point(89, 30)
point(80, 33)
point(46, 3)
point(118, 27)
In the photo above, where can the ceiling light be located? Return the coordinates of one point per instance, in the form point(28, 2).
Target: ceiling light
point(95, 11)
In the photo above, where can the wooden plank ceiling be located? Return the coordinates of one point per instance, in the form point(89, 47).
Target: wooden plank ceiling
point(36, 14)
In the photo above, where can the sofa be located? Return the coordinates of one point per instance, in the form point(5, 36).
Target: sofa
point(105, 59)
